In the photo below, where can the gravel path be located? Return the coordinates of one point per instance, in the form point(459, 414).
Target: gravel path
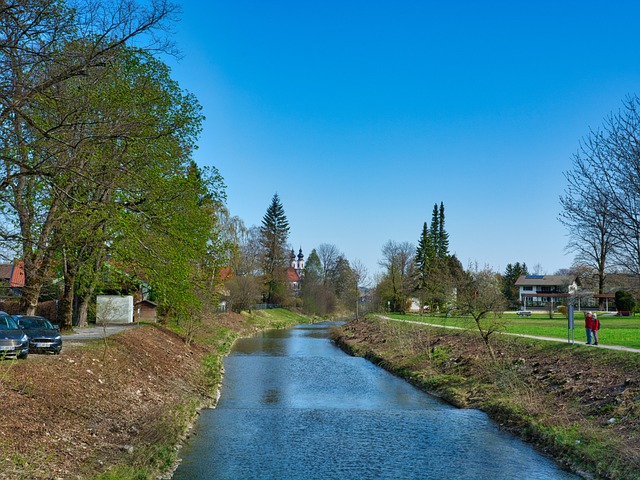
point(94, 332)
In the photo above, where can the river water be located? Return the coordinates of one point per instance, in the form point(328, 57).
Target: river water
point(294, 406)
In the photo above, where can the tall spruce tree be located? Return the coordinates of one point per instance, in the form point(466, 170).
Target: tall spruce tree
point(273, 238)
point(424, 257)
point(509, 278)
point(443, 236)
point(432, 265)
point(434, 230)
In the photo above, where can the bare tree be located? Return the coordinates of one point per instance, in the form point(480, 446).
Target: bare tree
point(607, 169)
point(398, 261)
point(588, 212)
point(480, 296)
point(361, 279)
point(329, 255)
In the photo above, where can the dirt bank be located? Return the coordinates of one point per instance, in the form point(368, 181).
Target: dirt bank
point(75, 414)
point(580, 405)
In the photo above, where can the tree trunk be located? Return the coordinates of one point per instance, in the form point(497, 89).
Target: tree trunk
point(33, 281)
point(83, 311)
point(66, 303)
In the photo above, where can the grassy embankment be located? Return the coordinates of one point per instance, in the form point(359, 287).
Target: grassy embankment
point(579, 404)
point(623, 331)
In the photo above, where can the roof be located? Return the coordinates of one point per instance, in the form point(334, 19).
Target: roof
point(224, 273)
point(13, 273)
point(292, 275)
point(543, 280)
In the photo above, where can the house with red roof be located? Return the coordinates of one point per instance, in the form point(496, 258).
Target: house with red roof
point(12, 278)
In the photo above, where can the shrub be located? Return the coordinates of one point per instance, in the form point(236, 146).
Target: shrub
point(624, 301)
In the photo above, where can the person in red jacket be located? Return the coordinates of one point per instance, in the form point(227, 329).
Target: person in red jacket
point(595, 327)
point(588, 326)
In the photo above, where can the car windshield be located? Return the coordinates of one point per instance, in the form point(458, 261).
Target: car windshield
point(34, 323)
point(7, 323)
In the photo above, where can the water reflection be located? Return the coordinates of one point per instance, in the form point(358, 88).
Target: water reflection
point(295, 407)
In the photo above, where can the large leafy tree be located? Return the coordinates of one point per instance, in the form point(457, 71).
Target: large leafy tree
point(47, 50)
point(274, 233)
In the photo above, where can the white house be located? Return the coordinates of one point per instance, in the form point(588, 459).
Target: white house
point(542, 290)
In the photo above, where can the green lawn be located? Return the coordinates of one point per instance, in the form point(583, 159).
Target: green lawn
point(623, 331)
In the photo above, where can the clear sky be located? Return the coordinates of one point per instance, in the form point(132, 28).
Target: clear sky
point(363, 114)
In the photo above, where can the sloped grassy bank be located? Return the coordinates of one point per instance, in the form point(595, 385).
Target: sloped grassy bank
point(578, 404)
point(115, 409)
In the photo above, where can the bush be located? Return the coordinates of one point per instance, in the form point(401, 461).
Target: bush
point(624, 301)
point(563, 310)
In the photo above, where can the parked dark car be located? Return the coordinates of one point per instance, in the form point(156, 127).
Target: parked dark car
point(43, 336)
point(13, 341)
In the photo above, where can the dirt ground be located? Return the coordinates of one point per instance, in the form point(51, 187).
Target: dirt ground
point(73, 415)
point(579, 404)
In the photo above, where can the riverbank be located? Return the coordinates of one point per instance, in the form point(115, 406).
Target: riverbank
point(116, 411)
point(580, 405)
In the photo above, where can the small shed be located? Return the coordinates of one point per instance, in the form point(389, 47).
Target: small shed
point(146, 311)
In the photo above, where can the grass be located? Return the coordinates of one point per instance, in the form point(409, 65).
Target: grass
point(622, 331)
point(275, 318)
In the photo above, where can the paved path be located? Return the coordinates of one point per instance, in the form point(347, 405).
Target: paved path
point(94, 332)
point(549, 339)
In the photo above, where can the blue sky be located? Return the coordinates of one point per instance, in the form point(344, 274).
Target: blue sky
point(362, 115)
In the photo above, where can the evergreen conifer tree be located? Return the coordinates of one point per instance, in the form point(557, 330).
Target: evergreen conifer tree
point(424, 257)
point(443, 236)
point(273, 238)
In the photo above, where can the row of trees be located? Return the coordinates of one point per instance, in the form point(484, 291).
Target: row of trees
point(260, 263)
point(98, 187)
point(427, 272)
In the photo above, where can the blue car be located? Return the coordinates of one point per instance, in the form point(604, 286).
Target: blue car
point(43, 336)
point(13, 341)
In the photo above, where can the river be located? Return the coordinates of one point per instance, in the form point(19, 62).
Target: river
point(294, 406)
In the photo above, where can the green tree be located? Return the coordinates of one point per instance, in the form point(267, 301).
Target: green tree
point(144, 129)
point(44, 55)
point(433, 272)
point(443, 236)
point(509, 290)
point(624, 301)
point(273, 238)
point(318, 298)
point(425, 255)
